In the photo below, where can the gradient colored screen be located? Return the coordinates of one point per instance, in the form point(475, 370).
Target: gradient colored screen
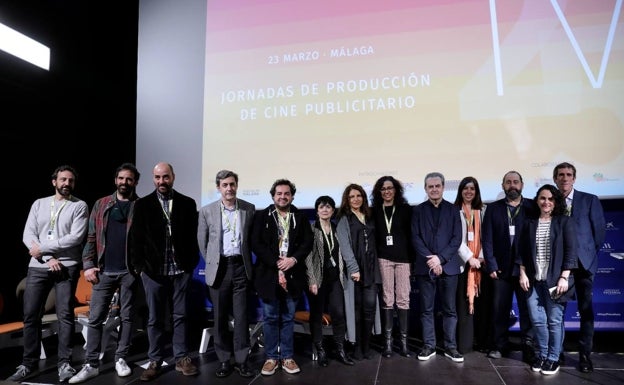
point(326, 93)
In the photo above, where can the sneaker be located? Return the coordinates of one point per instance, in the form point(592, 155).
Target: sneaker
point(495, 354)
point(550, 367)
point(185, 365)
point(65, 372)
point(122, 368)
point(290, 366)
point(268, 369)
point(20, 374)
point(84, 374)
point(426, 353)
point(151, 372)
point(454, 355)
point(537, 364)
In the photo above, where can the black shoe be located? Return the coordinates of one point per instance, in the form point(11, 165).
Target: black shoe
point(550, 367)
point(343, 358)
point(537, 364)
point(244, 370)
point(585, 364)
point(224, 369)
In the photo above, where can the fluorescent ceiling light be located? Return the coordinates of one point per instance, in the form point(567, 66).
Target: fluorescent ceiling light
point(23, 47)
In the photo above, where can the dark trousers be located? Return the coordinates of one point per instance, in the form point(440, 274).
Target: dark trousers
point(160, 291)
point(446, 288)
point(329, 293)
point(365, 306)
point(584, 284)
point(99, 309)
point(39, 282)
point(503, 290)
point(228, 295)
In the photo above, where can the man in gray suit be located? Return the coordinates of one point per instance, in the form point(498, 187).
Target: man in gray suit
point(223, 236)
point(588, 215)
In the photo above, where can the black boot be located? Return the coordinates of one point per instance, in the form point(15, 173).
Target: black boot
point(388, 323)
point(321, 356)
point(341, 356)
point(403, 313)
point(366, 337)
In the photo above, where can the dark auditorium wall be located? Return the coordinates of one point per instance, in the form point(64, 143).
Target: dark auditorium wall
point(82, 112)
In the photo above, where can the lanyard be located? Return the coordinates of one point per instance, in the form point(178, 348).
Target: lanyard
point(512, 217)
point(284, 223)
point(54, 215)
point(469, 218)
point(329, 239)
point(168, 210)
point(389, 221)
point(230, 226)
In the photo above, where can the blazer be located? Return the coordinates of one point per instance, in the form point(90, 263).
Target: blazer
point(210, 236)
point(498, 251)
point(590, 228)
point(563, 251)
point(265, 245)
point(146, 238)
point(442, 240)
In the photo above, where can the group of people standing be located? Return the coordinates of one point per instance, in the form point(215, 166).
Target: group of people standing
point(355, 262)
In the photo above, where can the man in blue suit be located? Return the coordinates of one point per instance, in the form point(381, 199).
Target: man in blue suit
point(436, 236)
point(588, 215)
point(501, 228)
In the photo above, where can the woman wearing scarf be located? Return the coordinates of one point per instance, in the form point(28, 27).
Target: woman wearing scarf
point(471, 308)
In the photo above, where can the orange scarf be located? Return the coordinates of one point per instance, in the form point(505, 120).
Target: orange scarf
point(474, 275)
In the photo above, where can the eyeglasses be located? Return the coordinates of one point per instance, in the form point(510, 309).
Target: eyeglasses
point(386, 188)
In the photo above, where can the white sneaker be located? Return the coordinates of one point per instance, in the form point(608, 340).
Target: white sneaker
point(84, 374)
point(122, 368)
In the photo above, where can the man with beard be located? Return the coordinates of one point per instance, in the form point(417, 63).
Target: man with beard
point(163, 250)
point(281, 240)
point(54, 235)
point(106, 266)
point(501, 228)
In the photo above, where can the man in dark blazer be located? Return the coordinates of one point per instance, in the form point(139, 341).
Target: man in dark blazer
point(436, 237)
point(223, 234)
point(281, 240)
point(163, 250)
point(500, 232)
point(588, 215)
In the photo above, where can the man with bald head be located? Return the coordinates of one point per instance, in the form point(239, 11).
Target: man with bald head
point(164, 251)
point(500, 232)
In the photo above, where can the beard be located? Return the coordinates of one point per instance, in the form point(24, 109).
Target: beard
point(513, 194)
point(64, 191)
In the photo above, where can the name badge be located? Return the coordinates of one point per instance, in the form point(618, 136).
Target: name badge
point(471, 236)
point(512, 230)
point(284, 247)
point(234, 242)
point(50, 235)
point(389, 241)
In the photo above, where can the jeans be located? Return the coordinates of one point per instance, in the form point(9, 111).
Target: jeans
point(99, 308)
point(278, 327)
point(160, 291)
point(446, 286)
point(546, 316)
point(39, 282)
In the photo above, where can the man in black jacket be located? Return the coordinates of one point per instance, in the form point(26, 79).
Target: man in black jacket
point(164, 251)
point(281, 240)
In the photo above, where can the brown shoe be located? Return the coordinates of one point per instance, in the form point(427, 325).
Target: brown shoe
point(268, 369)
point(185, 365)
point(151, 372)
point(290, 366)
